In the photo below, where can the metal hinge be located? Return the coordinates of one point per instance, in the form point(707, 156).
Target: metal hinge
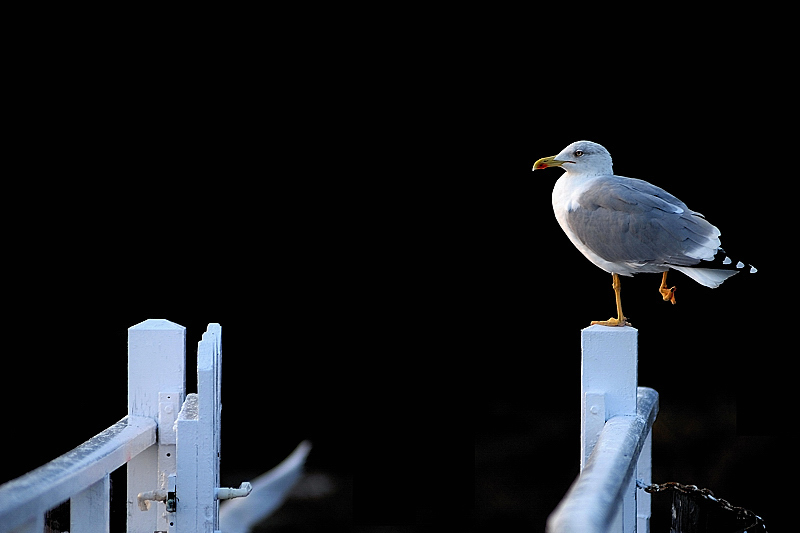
point(226, 493)
point(168, 496)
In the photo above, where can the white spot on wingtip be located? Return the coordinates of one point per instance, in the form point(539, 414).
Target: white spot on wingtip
point(739, 265)
point(753, 269)
point(727, 261)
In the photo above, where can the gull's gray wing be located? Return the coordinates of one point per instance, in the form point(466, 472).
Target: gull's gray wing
point(625, 220)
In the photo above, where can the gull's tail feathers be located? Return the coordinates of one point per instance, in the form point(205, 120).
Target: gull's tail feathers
point(710, 277)
point(713, 277)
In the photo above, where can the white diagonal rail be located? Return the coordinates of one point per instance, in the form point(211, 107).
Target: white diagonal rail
point(77, 475)
point(595, 499)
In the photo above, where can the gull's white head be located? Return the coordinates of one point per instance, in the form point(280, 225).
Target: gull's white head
point(582, 157)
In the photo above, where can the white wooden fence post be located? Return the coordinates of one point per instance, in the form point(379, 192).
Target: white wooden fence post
point(89, 510)
point(609, 378)
point(156, 364)
point(198, 440)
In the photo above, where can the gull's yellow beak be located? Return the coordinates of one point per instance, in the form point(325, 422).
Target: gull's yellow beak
point(548, 162)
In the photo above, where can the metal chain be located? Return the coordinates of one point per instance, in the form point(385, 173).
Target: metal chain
point(706, 494)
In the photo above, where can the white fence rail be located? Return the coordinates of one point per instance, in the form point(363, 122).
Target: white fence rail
point(171, 447)
point(616, 421)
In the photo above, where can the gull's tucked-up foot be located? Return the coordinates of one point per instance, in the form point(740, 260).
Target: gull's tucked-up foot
point(667, 294)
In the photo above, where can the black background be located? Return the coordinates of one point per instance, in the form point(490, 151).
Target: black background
point(389, 275)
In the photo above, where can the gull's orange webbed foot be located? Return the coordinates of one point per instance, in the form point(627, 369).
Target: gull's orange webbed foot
point(667, 294)
point(612, 322)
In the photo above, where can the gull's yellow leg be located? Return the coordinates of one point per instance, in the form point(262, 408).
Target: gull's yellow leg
point(667, 294)
point(620, 320)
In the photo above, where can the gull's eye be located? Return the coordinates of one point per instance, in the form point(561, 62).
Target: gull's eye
point(577, 153)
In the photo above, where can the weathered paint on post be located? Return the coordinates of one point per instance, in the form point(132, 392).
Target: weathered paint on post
point(609, 368)
point(90, 509)
point(198, 441)
point(156, 363)
point(609, 377)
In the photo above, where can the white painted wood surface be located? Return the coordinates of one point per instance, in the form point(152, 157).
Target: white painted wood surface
point(609, 369)
point(198, 442)
point(25, 499)
point(156, 364)
point(609, 377)
point(616, 418)
point(644, 472)
point(90, 509)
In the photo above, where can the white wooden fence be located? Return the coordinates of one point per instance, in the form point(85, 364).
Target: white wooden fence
point(169, 441)
point(616, 419)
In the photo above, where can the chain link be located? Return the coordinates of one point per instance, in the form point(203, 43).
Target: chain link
point(706, 494)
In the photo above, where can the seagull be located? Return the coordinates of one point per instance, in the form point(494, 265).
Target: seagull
point(626, 226)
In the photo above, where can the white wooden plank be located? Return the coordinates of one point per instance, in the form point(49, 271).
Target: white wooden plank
point(198, 442)
point(209, 372)
point(29, 496)
point(188, 507)
point(156, 363)
point(90, 510)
